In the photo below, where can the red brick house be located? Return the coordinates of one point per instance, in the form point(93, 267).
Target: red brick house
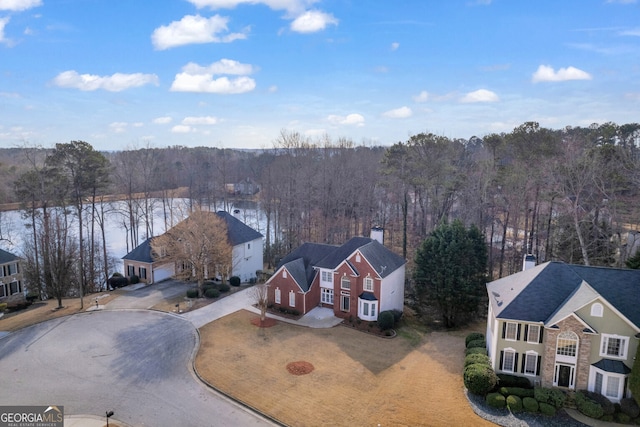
point(359, 279)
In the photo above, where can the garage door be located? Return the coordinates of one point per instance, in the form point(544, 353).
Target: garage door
point(162, 272)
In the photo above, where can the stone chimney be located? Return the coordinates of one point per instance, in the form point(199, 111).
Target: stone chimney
point(377, 233)
point(529, 262)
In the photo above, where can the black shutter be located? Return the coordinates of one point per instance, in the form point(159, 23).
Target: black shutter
point(518, 336)
point(515, 364)
point(541, 330)
point(501, 357)
point(538, 365)
point(524, 360)
point(504, 329)
point(526, 332)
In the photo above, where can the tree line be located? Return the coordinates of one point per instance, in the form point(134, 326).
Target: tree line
point(569, 194)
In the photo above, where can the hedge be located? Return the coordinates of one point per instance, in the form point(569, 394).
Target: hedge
point(475, 350)
point(192, 293)
point(479, 379)
point(547, 409)
point(608, 408)
point(481, 343)
point(223, 287)
point(530, 404)
point(629, 406)
point(516, 391)
point(508, 380)
point(514, 403)
point(472, 337)
point(496, 400)
point(552, 396)
point(477, 358)
point(234, 281)
point(386, 320)
point(587, 406)
point(212, 293)
point(3, 307)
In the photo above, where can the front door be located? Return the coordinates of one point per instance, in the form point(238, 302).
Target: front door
point(564, 375)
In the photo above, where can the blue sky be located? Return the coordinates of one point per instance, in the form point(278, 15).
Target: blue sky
point(233, 73)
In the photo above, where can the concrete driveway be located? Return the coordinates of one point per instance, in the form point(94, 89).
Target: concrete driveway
point(146, 297)
point(136, 363)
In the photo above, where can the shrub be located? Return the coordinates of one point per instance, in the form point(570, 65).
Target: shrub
point(514, 403)
point(3, 307)
point(397, 315)
point(546, 409)
point(31, 297)
point(508, 380)
point(117, 274)
point(517, 391)
point(629, 406)
point(475, 350)
point(552, 396)
point(385, 320)
point(472, 337)
point(209, 284)
point(479, 379)
point(623, 418)
point(212, 293)
point(587, 406)
point(530, 404)
point(481, 343)
point(477, 358)
point(607, 406)
point(234, 281)
point(496, 400)
point(192, 293)
point(223, 287)
point(118, 281)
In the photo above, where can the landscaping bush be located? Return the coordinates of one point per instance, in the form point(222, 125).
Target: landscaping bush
point(629, 406)
point(475, 350)
point(134, 279)
point(212, 293)
point(117, 274)
point(547, 409)
point(209, 284)
point(234, 281)
point(223, 287)
point(32, 297)
point(192, 293)
point(607, 406)
point(552, 396)
point(118, 281)
point(479, 379)
point(530, 404)
point(496, 400)
point(397, 315)
point(385, 320)
point(508, 380)
point(3, 307)
point(622, 418)
point(516, 391)
point(472, 337)
point(587, 406)
point(481, 343)
point(514, 403)
point(477, 358)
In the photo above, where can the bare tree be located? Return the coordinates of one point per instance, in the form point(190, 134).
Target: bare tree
point(260, 296)
point(198, 246)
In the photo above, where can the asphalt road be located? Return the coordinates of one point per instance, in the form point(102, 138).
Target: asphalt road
point(136, 363)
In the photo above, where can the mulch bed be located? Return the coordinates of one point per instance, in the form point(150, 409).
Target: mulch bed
point(299, 368)
point(266, 323)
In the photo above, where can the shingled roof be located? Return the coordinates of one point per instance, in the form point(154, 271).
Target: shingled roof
point(141, 253)
point(541, 293)
point(6, 257)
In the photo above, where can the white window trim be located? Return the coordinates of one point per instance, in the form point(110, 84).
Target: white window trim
point(365, 285)
point(341, 281)
point(597, 309)
point(515, 332)
point(284, 274)
point(563, 358)
point(277, 296)
point(537, 337)
point(292, 299)
point(512, 352)
point(535, 362)
point(572, 374)
point(372, 312)
point(326, 296)
point(348, 297)
point(604, 343)
point(605, 382)
point(326, 277)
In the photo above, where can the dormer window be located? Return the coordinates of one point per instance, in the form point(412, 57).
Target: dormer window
point(596, 309)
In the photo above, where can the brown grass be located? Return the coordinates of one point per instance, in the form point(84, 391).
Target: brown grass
point(359, 379)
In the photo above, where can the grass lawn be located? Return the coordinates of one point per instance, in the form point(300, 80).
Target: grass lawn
point(358, 379)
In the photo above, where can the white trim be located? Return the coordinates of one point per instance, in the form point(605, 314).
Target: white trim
point(535, 355)
point(597, 309)
point(604, 344)
point(537, 337)
point(606, 377)
point(367, 288)
point(512, 352)
point(292, 299)
point(572, 374)
point(515, 331)
point(277, 296)
point(326, 296)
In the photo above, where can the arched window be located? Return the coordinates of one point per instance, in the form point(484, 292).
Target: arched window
point(567, 345)
point(596, 309)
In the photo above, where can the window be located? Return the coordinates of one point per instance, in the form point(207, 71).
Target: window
point(327, 276)
point(357, 257)
point(531, 363)
point(284, 274)
point(143, 273)
point(614, 346)
point(14, 288)
point(345, 283)
point(598, 385)
point(278, 296)
point(613, 387)
point(533, 333)
point(368, 284)
point(345, 302)
point(511, 331)
point(248, 246)
point(3, 290)
point(567, 345)
point(292, 299)
point(509, 360)
point(596, 309)
point(326, 297)
point(131, 270)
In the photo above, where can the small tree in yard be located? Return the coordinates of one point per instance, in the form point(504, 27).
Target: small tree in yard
point(450, 271)
point(260, 296)
point(198, 246)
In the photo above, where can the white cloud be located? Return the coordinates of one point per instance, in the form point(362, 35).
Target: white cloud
point(273, 89)
point(395, 46)
point(480, 95)
point(194, 29)
point(118, 127)
point(291, 6)
point(181, 129)
point(631, 32)
point(114, 83)
point(545, 73)
point(350, 119)
point(398, 113)
point(3, 23)
point(422, 96)
point(19, 5)
point(312, 21)
point(204, 120)
point(162, 120)
point(197, 78)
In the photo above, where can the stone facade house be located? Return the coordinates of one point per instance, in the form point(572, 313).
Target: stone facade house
point(358, 279)
point(568, 326)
